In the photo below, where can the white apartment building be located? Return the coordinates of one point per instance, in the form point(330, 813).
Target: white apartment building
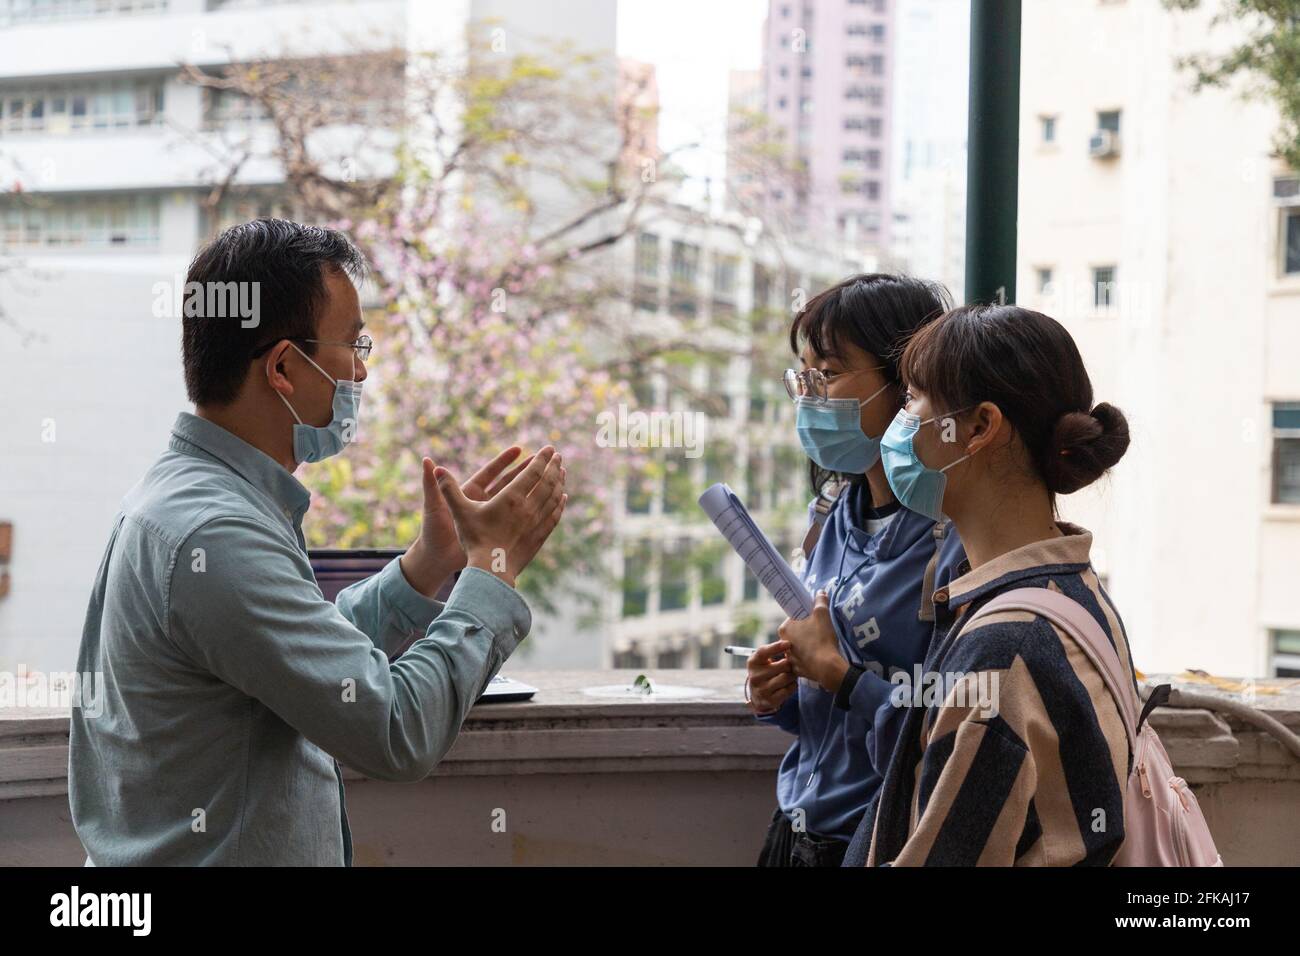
point(1157, 225)
point(112, 153)
point(685, 594)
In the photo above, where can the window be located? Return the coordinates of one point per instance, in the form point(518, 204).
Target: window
point(1286, 195)
point(863, 187)
point(62, 108)
point(674, 579)
point(719, 457)
point(640, 493)
point(724, 276)
point(1286, 453)
point(1109, 120)
point(647, 255)
point(1044, 280)
point(636, 586)
point(238, 208)
point(75, 221)
point(1047, 126)
point(669, 658)
point(645, 297)
point(757, 493)
point(762, 289)
point(710, 649)
point(14, 12)
point(1103, 286)
point(1291, 242)
point(685, 263)
point(230, 108)
point(680, 485)
point(710, 558)
point(1286, 653)
point(630, 659)
point(683, 305)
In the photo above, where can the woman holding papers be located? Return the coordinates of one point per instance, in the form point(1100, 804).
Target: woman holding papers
point(879, 562)
point(999, 419)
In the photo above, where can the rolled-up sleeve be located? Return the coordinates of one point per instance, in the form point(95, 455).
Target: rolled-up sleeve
point(252, 620)
point(387, 609)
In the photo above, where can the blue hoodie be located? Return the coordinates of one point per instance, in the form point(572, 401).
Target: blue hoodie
point(881, 588)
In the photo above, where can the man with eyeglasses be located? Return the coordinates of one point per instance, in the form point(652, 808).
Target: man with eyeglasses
point(231, 687)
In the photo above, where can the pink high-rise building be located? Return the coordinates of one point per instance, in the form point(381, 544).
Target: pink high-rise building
point(827, 68)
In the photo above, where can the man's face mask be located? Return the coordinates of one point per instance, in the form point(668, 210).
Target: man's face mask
point(314, 442)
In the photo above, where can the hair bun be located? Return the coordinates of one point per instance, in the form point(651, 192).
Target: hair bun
point(1083, 446)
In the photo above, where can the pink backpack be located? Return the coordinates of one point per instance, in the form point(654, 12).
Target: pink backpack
point(1163, 824)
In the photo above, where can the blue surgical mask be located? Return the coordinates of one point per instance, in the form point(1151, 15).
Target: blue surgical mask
point(315, 442)
point(917, 487)
point(832, 436)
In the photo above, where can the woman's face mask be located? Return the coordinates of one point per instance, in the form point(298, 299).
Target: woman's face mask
point(917, 486)
point(316, 442)
point(831, 434)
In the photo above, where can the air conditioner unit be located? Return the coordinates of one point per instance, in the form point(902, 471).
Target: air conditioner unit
point(1103, 144)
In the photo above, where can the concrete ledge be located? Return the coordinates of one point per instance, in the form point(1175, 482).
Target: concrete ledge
point(663, 780)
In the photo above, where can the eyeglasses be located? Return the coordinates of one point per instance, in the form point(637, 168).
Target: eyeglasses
point(362, 345)
point(813, 382)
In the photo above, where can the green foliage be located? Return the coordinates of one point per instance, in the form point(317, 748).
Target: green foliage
point(1268, 61)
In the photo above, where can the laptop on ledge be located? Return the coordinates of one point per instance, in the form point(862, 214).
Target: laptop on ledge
point(335, 569)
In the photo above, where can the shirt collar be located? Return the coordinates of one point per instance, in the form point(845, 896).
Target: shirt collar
point(1064, 555)
point(253, 465)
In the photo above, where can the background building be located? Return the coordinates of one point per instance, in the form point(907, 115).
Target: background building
point(113, 153)
point(827, 68)
point(1157, 225)
point(928, 234)
point(685, 594)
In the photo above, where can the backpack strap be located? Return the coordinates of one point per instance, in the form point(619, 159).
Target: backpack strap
point(926, 611)
point(1071, 616)
point(821, 510)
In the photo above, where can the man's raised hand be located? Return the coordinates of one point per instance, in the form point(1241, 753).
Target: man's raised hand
point(502, 532)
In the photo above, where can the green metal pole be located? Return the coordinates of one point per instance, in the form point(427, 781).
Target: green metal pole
point(993, 147)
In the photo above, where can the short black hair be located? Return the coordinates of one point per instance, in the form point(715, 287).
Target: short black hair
point(288, 261)
point(878, 312)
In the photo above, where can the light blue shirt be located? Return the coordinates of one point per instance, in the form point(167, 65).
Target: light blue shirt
point(231, 688)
